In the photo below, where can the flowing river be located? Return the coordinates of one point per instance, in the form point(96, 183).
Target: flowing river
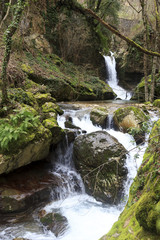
point(87, 218)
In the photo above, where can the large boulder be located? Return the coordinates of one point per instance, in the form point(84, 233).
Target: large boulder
point(26, 189)
point(27, 133)
point(100, 159)
point(131, 119)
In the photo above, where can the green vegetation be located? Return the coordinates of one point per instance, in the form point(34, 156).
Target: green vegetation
point(141, 216)
point(16, 127)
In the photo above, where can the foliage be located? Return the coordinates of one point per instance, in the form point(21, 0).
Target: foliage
point(16, 127)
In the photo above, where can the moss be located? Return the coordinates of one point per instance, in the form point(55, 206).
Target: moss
point(98, 115)
point(141, 216)
point(57, 132)
point(129, 117)
point(26, 68)
point(51, 107)
point(29, 109)
point(156, 103)
point(45, 97)
point(21, 96)
point(33, 87)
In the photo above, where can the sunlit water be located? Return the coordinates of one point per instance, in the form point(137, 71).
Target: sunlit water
point(87, 218)
point(113, 80)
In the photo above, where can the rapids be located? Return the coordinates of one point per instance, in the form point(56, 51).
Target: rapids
point(87, 218)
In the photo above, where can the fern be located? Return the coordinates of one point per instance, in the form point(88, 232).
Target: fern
point(16, 127)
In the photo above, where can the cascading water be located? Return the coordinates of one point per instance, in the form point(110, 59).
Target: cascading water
point(112, 78)
point(87, 218)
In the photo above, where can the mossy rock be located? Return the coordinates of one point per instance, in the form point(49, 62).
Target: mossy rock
point(21, 96)
point(96, 156)
point(55, 222)
point(33, 87)
point(26, 68)
point(141, 217)
point(57, 132)
point(51, 107)
point(41, 98)
point(32, 147)
point(145, 213)
point(129, 117)
point(156, 103)
point(99, 115)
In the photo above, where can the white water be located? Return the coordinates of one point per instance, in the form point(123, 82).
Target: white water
point(87, 218)
point(112, 78)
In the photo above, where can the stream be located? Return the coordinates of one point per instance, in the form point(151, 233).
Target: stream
point(87, 218)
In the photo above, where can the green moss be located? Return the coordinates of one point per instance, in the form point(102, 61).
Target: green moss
point(26, 68)
point(57, 132)
point(141, 216)
point(42, 98)
point(51, 107)
point(156, 103)
point(21, 96)
point(33, 87)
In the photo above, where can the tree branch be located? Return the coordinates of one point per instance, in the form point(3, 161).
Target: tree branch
point(116, 32)
point(134, 7)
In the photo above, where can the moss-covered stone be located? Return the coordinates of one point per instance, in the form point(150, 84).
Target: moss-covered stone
point(54, 222)
point(57, 132)
point(33, 146)
point(51, 107)
point(21, 96)
point(26, 68)
point(129, 117)
point(100, 158)
point(33, 87)
point(99, 115)
point(41, 98)
point(156, 103)
point(141, 216)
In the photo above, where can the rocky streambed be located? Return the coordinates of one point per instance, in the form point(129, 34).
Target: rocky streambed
point(107, 171)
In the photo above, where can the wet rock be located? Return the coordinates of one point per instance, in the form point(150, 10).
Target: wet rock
point(99, 115)
point(156, 103)
point(129, 117)
point(26, 189)
point(70, 135)
point(54, 222)
point(68, 124)
point(100, 159)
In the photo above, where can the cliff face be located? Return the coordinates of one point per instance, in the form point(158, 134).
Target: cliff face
point(55, 26)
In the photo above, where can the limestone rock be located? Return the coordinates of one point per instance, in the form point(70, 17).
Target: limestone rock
point(100, 159)
point(99, 115)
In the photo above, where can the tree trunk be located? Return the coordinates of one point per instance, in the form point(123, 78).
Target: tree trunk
point(154, 66)
point(8, 43)
point(145, 40)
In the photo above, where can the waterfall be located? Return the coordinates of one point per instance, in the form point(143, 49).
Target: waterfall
point(113, 80)
point(87, 218)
